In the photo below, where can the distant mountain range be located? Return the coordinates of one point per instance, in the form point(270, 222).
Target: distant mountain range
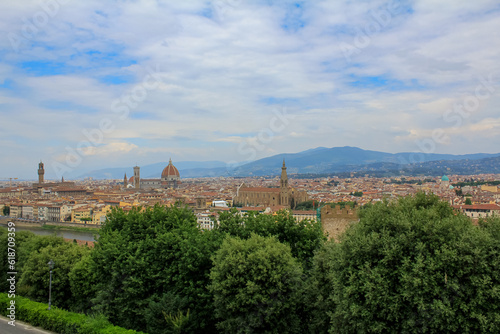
point(154, 170)
point(322, 160)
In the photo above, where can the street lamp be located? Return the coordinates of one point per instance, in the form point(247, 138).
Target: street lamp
point(51, 266)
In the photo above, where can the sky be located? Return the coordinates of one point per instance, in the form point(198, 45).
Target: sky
point(92, 84)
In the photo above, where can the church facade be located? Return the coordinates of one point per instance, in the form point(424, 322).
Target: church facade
point(284, 195)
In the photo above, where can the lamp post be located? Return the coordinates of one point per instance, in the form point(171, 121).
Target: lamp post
point(51, 266)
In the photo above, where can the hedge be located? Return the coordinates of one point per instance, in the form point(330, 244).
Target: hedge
point(58, 320)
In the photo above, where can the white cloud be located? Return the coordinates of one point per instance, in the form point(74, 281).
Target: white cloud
point(224, 70)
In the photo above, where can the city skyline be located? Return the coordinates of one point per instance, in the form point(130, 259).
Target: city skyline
point(92, 85)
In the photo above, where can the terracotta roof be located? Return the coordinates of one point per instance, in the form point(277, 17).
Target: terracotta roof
point(170, 170)
point(478, 207)
point(70, 189)
point(81, 242)
point(304, 212)
point(261, 190)
point(276, 208)
point(251, 208)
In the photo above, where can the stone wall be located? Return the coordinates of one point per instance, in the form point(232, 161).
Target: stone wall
point(336, 220)
point(28, 223)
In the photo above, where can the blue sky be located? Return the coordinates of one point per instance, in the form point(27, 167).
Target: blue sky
point(95, 84)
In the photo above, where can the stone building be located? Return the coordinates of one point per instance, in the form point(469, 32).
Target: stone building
point(444, 183)
point(476, 211)
point(170, 178)
point(284, 195)
point(41, 184)
point(335, 220)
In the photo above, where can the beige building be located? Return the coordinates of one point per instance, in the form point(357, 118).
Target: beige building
point(206, 220)
point(58, 213)
point(491, 189)
point(27, 211)
point(306, 214)
point(99, 216)
point(479, 210)
point(16, 211)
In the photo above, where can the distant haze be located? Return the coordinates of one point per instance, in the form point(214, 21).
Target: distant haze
point(319, 160)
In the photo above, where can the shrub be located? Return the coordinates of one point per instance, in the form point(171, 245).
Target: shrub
point(58, 320)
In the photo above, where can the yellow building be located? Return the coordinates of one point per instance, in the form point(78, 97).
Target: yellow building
point(99, 216)
point(82, 215)
point(491, 189)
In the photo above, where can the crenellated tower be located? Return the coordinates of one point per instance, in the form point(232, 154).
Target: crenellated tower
point(41, 172)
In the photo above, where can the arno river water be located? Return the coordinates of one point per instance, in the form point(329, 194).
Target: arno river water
point(86, 236)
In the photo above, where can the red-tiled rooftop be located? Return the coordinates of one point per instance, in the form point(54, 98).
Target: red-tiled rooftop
point(478, 207)
point(252, 208)
point(81, 242)
point(267, 190)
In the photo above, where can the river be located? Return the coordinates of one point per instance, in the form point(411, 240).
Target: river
point(85, 236)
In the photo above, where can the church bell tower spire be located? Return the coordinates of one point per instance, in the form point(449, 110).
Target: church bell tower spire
point(284, 192)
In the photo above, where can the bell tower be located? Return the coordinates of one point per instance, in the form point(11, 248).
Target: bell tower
point(41, 172)
point(137, 177)
point(284, 195)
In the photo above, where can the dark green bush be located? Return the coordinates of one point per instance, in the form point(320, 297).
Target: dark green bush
point(58, 320)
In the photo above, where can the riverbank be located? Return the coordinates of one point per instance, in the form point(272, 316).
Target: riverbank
point(79, 233)
point(52, 226)
point(70, 228)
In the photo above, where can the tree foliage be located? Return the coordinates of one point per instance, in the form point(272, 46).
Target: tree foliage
point(307, 205)
point(26, 244)
point(147, 253)
point(83, 284)
point(255, 283)
point(410, 266)
point(303, 237)
point(35, 276)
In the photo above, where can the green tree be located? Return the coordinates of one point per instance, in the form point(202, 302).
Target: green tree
point(307, 205)
point(256, 283)
point(6, 210)
point(83, 284)
point(303, 237)
point(411, 266)
point(35, 277)
point(143, 255)
point(468, 201)
point(317, 290)
point(342, 205)
point(166, 316)
point(26, 243)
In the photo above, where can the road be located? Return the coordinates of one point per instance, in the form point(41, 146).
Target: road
point(19, 328)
